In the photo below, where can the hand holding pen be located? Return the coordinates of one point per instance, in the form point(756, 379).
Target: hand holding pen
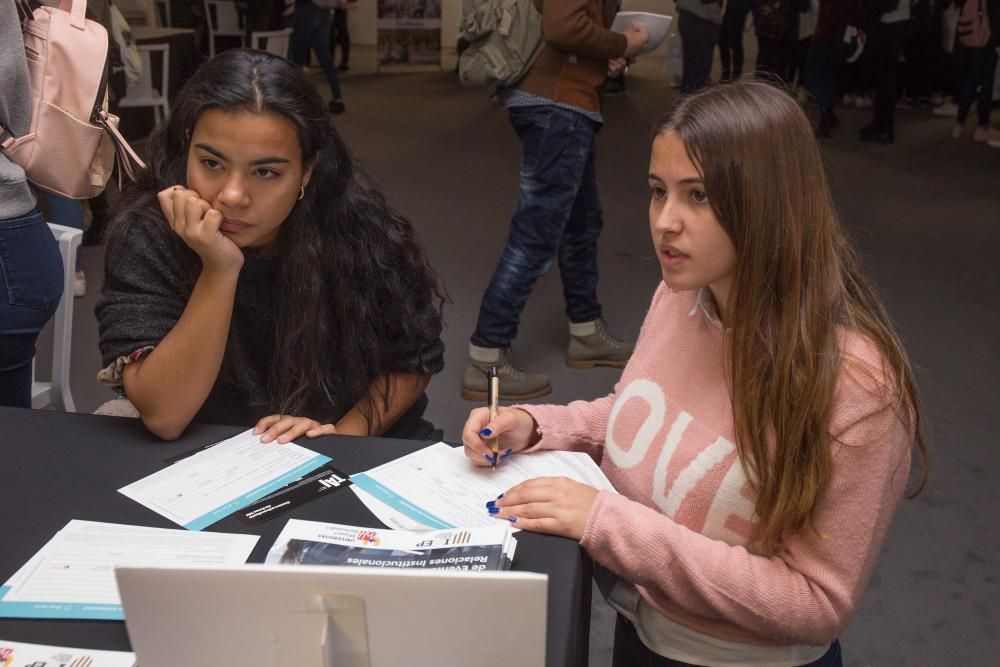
point(493, 398)
point(511, 430)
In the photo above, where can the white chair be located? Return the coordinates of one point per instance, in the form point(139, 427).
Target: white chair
point(272, 41)
point(223, 20)
point(57, 391)
point(163, 13)
point(141, 93)
point(136, 12)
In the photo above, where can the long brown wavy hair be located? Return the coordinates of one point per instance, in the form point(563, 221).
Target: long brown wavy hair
point(797, 279)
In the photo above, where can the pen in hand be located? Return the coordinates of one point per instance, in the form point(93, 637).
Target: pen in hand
point(493, 396)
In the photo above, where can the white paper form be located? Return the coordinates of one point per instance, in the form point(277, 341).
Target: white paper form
point(73, 575)
point(19, 654)
point(386, 514)
point(198, 491)
point(440, 487)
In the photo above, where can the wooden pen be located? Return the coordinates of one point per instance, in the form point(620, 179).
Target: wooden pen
point(493, 396)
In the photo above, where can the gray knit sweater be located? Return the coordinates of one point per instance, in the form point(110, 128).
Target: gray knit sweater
point(145, 292)
point(16, 198)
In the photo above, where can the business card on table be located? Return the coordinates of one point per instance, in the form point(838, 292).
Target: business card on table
point(319, 482)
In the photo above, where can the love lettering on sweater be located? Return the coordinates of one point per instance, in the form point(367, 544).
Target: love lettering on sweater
point(680, 529)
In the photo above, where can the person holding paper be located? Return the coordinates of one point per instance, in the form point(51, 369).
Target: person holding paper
point(556, 111)
point(761, 435)
point(255, 274)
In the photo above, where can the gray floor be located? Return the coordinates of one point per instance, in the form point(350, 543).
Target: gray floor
point(926, 214)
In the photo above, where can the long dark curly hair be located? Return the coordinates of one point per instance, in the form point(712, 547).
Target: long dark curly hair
point(352, 269)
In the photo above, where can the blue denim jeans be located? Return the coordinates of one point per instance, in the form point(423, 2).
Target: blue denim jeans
point(629, 651)
point(311, 28)
point(558, 216)
point(31, 283)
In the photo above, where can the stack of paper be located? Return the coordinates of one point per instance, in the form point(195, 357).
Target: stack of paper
point(439, 487)
point(18, 654)
point(73, 575)
point(473, 549)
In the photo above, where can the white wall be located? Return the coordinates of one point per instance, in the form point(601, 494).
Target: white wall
point(363, 29)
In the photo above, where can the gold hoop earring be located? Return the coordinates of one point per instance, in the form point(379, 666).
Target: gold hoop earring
point(302, 192)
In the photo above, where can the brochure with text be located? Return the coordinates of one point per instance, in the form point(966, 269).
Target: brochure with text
point(472, 549)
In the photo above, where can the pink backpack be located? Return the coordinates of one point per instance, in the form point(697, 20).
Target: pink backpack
point(974, 24)
point(71, 142)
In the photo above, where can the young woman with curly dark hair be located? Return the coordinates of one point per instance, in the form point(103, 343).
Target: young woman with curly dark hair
point(255, 275)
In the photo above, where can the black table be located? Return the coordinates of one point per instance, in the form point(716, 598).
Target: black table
point(56, 466)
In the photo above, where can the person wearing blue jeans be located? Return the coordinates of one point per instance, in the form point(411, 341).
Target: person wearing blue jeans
point(31, 283)
point(311, 29)
point(555, 110)
point(558, 217)
point(31, 276)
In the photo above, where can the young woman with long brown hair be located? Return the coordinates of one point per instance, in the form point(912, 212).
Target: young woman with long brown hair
point(761, 435)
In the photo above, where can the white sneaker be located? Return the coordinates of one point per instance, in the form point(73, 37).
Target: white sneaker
point(949, 109)
point(993, 144)
point(79, 284)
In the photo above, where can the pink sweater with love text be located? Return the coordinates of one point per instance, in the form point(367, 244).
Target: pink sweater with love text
point(680, 529)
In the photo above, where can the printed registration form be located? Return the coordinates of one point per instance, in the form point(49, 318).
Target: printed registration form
point(73, 575)
point(439, 487)
point(201, 489)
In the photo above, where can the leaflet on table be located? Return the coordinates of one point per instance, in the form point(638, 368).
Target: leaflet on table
point(440, 488)
point(199, 490)
point(316, 543)
point(656, 25)
point(19, 654)
point(73, 575)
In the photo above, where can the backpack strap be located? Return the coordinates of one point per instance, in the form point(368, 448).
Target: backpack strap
point(77, 10)
point(127, 157)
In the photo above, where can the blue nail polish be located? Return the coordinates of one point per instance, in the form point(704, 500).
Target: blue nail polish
point(486, 432)
point(488, 457)
point(491, 504)
point(506, 454)
point(493, 510)
point(512, 519)
point(500, 496)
